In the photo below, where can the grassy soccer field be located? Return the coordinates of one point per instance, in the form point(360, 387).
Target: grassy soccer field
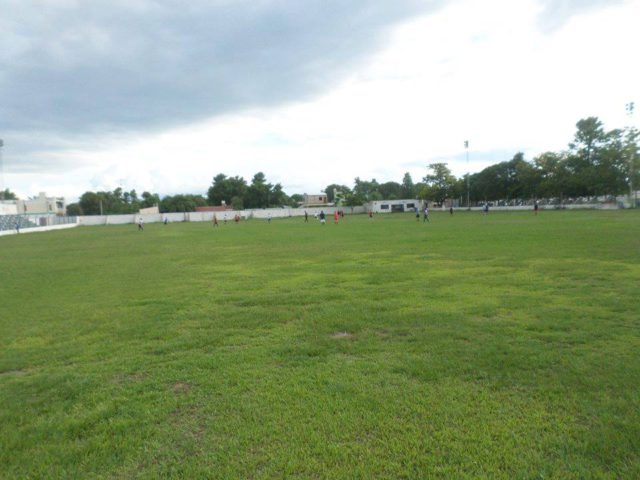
point(505, 346)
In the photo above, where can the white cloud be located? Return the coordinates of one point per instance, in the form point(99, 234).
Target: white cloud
point(481, 71)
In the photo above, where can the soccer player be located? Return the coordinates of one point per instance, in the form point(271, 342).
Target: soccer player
point(426, 213)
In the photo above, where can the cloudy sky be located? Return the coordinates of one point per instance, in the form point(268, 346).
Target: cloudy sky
point(162, 95)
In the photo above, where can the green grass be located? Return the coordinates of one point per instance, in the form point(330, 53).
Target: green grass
point(504, 346)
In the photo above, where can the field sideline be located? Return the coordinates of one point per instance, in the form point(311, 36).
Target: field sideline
point(504, 346)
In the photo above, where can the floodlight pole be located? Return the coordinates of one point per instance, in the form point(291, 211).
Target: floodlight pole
point(1, 172)
point(630, 107)
point(466, 147)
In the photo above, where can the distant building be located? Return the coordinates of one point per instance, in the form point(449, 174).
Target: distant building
point(319, 200)
point(392, 206)
point(149, 210)
point(8, 207)
point(42, 205)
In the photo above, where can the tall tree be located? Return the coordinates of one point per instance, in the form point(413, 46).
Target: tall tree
point(589, 136)
point(408, 188)
point(583, 157)
point(632, 156)
point(149, 200)
point(90, 203)
point(181, 203)
point(295, 200)
point(331, 189)
point(553, 174)
point(278, 198)
point(366, 191)
point(259, 192)
point(440, 182)
point(74, 210)
point(225, 188)
point(7, 194)
point(611, 165)
point(390, 190)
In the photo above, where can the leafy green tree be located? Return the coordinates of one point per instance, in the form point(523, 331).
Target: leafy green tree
point(631, 154)
point(330, 190)
point(74, 210)
point(218, 192)
point(149, 200)
point(439, 183)
point(7, 194)
point(390, 190)
point(611, 166)
point(258, 193)
point(354, 199)
point(277, 197)
point(225, 188)
point(365, 191)
point(459, 189)
point(527, 176)
point(133, 197)
point(553, 174)
point(584, 156)
point(295, 200)
point(408, 188)
point(90, 203)
point(590, 135)
point(181, 203)
point(237, 203)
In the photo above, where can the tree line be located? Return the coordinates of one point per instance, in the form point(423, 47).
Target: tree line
point(597, 162)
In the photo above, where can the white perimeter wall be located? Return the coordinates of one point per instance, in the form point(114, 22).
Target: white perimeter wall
point(259, 214)
point(38, 229)
point(8, 208)
point(208, 216)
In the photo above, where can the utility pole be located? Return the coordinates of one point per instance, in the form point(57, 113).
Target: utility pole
point(630, 107)
point(466, 147)
point(1, 172)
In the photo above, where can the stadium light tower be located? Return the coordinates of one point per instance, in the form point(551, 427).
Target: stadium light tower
point(1, 172)
point(466, 147)
point(630, 107)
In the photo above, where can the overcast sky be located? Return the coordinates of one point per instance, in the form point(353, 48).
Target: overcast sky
point(162, 95)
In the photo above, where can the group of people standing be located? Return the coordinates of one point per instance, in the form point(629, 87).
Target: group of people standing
point(337, 214)
point(425, 213)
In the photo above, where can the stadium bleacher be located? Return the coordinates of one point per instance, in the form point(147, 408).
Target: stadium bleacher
point(8, 222)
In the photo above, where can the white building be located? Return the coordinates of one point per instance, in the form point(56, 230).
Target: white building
point(8, 207)
point(42, 205)
point(393, 206)
point(155, 210)
point(318, 200)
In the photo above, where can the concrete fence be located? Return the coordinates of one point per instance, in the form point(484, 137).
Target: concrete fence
point(38, 229)
point(263, 214)
point(521, 208)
